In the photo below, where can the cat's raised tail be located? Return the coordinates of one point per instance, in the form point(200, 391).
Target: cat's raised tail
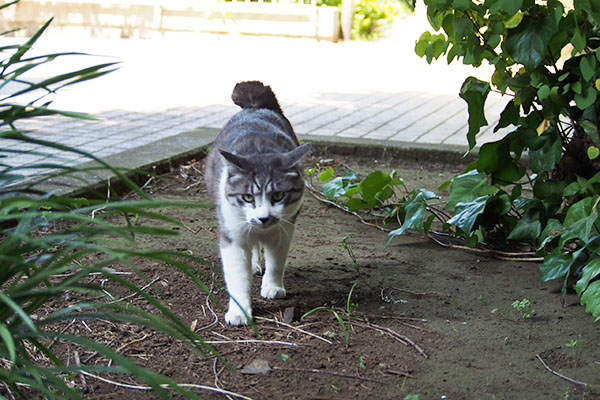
point(254, 94)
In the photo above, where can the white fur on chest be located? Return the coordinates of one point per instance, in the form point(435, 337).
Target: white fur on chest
point(240, 255)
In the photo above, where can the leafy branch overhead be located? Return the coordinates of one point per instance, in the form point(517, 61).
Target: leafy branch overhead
point(539, 184)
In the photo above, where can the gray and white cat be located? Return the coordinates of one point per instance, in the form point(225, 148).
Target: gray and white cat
point(253, 177)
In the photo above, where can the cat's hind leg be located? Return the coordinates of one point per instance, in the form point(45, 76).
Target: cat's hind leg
point(256, 267)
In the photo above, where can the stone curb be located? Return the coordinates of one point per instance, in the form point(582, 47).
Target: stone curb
point(159, 156)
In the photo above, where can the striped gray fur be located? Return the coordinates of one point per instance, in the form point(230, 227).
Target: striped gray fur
point(253, 177)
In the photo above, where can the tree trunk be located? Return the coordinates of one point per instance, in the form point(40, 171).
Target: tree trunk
point(347, 17)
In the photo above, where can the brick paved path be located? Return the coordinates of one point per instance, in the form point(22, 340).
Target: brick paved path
point(379, 90)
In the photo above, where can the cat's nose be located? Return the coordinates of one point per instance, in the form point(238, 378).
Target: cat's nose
point(264, 220)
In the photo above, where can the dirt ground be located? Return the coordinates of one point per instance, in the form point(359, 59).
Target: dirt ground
point(422, 319)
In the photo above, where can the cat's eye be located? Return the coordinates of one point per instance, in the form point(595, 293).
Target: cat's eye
point(277, 196)
point(248, 198)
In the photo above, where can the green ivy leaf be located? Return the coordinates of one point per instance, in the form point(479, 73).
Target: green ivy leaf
point(552, 230)
point(586, 98)
point(529, 227)
point(461, 4)
point(333, 189)
point(326, 174)
point(416, 210)
point(550, 194)
point(593, 152)
point(422, 43)
point(591, 130)
point(591, 299)
point(509, 116)
point(578, 41)
point(373, 186)
point(467, 187)
point(514, 21)
point(492, 156)
point(475, 93)
point(527, 43)
point(495, 159)
point(431, 46)
point(355, 204)
point(587, 66)
point(555, 265)
point(589, 272)
point(510, 7)
point(579, 221)
point(545, 151)
point(468, 212)
point(543, 92)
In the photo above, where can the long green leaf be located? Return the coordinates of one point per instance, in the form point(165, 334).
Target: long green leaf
point(8, 341)
point(475, 92)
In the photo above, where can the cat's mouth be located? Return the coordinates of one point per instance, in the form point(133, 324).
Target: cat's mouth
point(264, 223)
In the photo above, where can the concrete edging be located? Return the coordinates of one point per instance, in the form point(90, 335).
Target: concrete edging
point(159, 156)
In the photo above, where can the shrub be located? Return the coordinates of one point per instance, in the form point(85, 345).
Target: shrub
point(370, 16)
point(538, 185)
point(546, 60)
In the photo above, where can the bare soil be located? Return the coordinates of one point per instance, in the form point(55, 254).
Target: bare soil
point(424, 319)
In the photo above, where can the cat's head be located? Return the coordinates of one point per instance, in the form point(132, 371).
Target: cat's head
point(265, 188)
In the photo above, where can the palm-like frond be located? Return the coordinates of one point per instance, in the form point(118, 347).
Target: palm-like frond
point(46, 242)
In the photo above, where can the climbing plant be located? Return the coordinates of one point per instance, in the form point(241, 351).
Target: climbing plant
point(538, 184)
point(545, 59)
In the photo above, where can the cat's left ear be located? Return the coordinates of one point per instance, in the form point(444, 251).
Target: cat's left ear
point(291, 158)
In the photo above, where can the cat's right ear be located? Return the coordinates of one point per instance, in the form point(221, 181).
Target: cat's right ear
point(232, 158)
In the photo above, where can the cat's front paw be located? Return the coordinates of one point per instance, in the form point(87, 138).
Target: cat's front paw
point(272, 292)
point(237, 317)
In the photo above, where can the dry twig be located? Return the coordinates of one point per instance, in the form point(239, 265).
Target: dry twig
point(215, 316)
point(184, 385)
point(131, 342)
point(405, 340)
point(294, 328)
point(324, 371)
point(559, 374)
point(251, 341)
point(135, 293)
point(196, 231)
point(81, 376)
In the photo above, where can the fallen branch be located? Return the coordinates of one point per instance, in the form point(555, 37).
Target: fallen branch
point(164, 386)
point(135, 293)
point(196, 231)
point(419, 294)
point(559, 374)
point(324, 371)
point(251, 341)
point(120, 349)
point(405, 340)
point(207, 302)
point(400, 373)
point(501, 255)
point(294, 328)
point(81, 376)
